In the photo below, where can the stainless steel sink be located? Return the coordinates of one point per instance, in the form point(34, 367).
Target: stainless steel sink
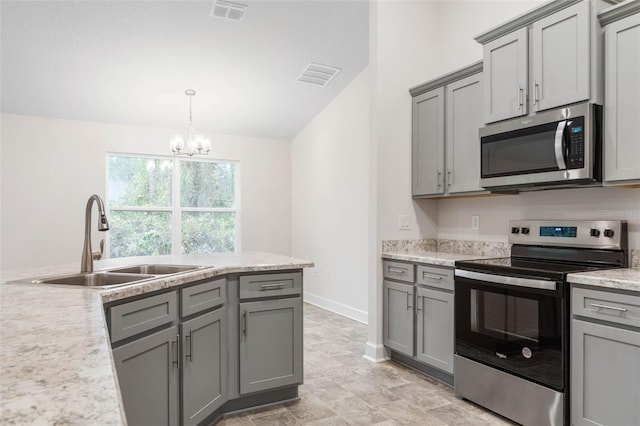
point(156, 269)
point(95, 279)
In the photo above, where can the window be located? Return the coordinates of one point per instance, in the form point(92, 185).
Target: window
point(171, 205)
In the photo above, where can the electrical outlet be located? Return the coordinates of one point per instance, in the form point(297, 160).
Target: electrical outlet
point(475, 222)
point(403, 222)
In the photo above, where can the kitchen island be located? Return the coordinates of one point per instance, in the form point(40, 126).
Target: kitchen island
point(55, 353)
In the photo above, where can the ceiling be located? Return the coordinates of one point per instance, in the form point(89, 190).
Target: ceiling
point(130, 62)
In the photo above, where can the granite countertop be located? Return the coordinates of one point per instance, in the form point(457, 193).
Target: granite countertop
point(621, 279)
point(55, 355)
point(431, 257)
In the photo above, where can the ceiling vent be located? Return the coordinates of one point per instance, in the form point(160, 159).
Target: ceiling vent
point(318, 74)
point(228, 10)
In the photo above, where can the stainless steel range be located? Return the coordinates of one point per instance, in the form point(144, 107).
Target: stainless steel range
point(512, 316)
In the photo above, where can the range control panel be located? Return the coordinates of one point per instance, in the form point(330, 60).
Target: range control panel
point(606, 234)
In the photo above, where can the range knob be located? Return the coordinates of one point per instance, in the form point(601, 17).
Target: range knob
point(524, 231)
point(608, 233)
point(594, 232)
point(515, 230)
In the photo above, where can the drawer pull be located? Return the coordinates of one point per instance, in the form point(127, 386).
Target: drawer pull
point(409, 297)
point(615, 308)
point(431, 277)
point(175, 344)
point(396, 270)
point(271, 286)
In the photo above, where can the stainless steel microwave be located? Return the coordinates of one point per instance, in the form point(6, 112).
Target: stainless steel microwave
point(552, 149)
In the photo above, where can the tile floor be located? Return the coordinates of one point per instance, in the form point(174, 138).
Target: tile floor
point(342, 388)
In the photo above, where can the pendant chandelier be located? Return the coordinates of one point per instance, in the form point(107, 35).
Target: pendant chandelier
point(191, 144)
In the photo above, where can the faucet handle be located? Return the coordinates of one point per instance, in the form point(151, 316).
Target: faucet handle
point(97, 255)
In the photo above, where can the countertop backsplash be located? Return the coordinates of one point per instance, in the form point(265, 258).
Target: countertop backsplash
point(476, 248)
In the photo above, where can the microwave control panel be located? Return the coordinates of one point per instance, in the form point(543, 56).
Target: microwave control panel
point(575, 143)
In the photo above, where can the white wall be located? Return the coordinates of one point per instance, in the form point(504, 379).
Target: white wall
point(329, 201)
point(50, 167)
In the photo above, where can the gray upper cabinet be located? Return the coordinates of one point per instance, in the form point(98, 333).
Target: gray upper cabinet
point(447, 113)
point(148, 373)
point(204, 366)
point(505, 65)
point(463, 119)
point(428, 143)
point(560, 54)
point(546, 58)
point(270, 344)
point(622, 94)
point(398, 328)
point(434, 337)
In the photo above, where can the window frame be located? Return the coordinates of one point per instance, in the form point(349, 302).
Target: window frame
point(176, 209)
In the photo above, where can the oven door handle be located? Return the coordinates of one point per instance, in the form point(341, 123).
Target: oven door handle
point(559, 145)
point(501, 279)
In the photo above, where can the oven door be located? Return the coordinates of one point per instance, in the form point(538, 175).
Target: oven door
point(513, 324)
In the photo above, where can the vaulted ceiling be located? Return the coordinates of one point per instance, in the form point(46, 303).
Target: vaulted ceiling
point(130, 61)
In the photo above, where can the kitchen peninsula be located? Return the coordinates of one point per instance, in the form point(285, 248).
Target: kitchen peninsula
point(55, 351)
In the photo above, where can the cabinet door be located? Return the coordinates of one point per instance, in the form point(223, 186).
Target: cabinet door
point(428, 143)
point(204, 365)
point(148, 373)
point(270, 344)
point(622, 100)
point(605, 375)
point(435, 328)
point(464, 118)
point(505, 64)
point(561, 66)
point(398, 317)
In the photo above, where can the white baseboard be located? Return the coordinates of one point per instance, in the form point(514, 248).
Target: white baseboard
point(337, 307)
point(375, 353)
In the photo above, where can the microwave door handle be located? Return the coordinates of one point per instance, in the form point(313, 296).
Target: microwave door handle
point(560, 145)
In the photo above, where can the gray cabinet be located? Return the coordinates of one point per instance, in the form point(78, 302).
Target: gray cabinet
point(605, 357)
point(463, 119)
point(560, 52)
point(148, 373)
point(270, 344)
point(204, 365)
point(418, 318)
point(447, 113)
point(546, 58)
point(428, 143)
point(398, 315)
point(505, 64)
point(622, 94)
point(434, 338)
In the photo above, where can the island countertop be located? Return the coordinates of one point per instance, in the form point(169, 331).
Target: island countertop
point(55, 354)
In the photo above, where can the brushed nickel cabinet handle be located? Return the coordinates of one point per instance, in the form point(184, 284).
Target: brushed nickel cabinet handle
point(429, 276)
point(271, 286)
point(244, 323)
point(438, 178)
point(396, 270)
point(189, 338)
point(614, 308)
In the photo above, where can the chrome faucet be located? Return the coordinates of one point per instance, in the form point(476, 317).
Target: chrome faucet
point(89, 256)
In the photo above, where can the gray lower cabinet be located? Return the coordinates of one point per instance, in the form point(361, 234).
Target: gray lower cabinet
point(397, 331)
point(418, 317)
point(270, 344)
point(204, 365)
point(434, 337)
point(605, 357)
point(605, 370)
point(148, 373)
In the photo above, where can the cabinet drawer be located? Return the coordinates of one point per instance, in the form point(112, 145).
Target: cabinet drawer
point(203, 296)
point(142, 315)
point(435, 277)
point(398, 271)
point(268, 285)
point(606, 306)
